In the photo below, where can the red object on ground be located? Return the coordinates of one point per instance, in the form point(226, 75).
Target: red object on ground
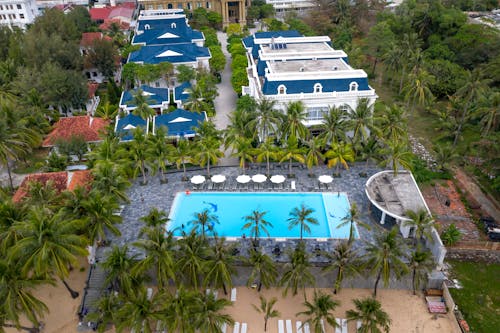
point(188, 192)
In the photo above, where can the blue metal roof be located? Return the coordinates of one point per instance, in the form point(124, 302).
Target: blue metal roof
point(180, 122)
point(174, 53)
point(261, 67)
point(155, 96)
point(307, 86)
point(180, 93)
point(178, 22)
point(127, 124)
point(168, 35)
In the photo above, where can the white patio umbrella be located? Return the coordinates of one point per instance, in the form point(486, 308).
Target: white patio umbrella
point(243, 179)
point(277, 179)
point(325, 179)
point(218, 178)
point(259, 178)
point(198, 179)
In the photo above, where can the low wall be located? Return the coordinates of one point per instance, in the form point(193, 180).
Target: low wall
point(468, 254)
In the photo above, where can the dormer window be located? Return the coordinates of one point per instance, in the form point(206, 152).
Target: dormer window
point(318, 88)
point(147, 27)
point(353, 86)
point(173, 26)
point(281, 89)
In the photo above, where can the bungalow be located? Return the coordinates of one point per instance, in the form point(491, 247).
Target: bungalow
point(122, 13)
point(88, 127)
point(125, 126)
point(181, 93)
point(179, 123)
point(158, 98)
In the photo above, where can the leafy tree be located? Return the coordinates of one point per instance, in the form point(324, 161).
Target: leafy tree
point(138, 312)
point(345, 260)
point(74, 145)
point(185, 73)
point(373, 318)
point(263, 269)
point(56, 162)
point(267, 309)
point(102, 55)
point(421, 264)
point(384, 257)
point(239, 79)
point(256, 224)
point(296, 272)
point(302, 217)
point(220, 266)
point(204, 220)
point(320, 310)
point(218, 60)
point(451, 235)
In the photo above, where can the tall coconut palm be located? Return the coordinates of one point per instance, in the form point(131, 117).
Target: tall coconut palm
point(266, 118)
point(181, 154)
point(220, 266)
point(417, 90)
point(384, 257)
point(208, 152)
point(109, 179)
point(119, 267)
point(100, 216)
point(294, 125)
point(263, 269)
point(106, 315)
point(371, 315)
point(107, 110)
point(154, 219)
point(297, 272)
point(314, 153)
point(210, 316)
point(301, 216)
point(159, 248)
point(352, 218)
point(319, 311)
point(444, 156)
point(181, 311)
point(392, 122)
point(256, 224)
point(192, 263)
point(397, 154)
point(138, 312)
point(266, 308)
point(204, 220)
point(17, 297)
point(340, 154)
point(196, 101)
point(422, 222)
point(490, 113)
point(242, 148)
point(370, 151)
point(292, 152)
point(10, 214)
point(108, 150)
point(333, 126)
point(48, 245)
point(142, 102)
point(159, 150)
point(421, 264)
point(140, 153)
point(360, 120)
point(266, 151)
point(344, 259)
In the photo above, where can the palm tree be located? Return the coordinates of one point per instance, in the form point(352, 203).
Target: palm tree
point(490, 113)
point(397, 154)
point(48, 245)
point(345, 260)
point(392, 122)
point(333, 126)
point(267, 309)
point(314, 153)
point(220, 266)
point(421, 264)
point(444, 156)
point(297, 274)
point(159, 248)
point(370, 151)
point(10, 214)
point(421, 221)
point(320, 310)
point(154, 219)
point(267, 151)
point(418, 88)
point(192, 262)
point(340, 153)
point(100, 216)
point(384, 257)
point(263, 269)
point(119, 265)
point(196, 101)
point(256, 223)
point(159, 150)
point(106, 315)
point(108, 150)
point(106, 110)
point(142, 102)
point(243, 147)
point(138, 312)
point(302, 217)
point(140, 153)
point(294, 124)
point(292, 152)
point(352, 218)
point(208, 152)
point(204, 220)
point(17, 298)
point(181, 154)
point(109, 179)
point(360, 120)
point(369, 312)
point(407, 45)
point(266, 118)
point(210, 317)
point(181, 312)
point(42, 195)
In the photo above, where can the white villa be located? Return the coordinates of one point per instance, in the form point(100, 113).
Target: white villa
point(18, 13)
point(285, 66)
point(284, 6)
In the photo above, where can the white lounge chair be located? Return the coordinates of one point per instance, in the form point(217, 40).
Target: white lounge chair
point(289, 328)
point(307, 328)
point(292, 185)
point(244, 328)
point(223, 328)
point(338, 328)
point(233, 295)
point(149, 293)
point(298, 326)
point(344, 325)
point(236, 328)
point(359, 323)
point(281, 326)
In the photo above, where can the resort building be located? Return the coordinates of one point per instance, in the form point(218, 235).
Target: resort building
point(179, 123)
point(285, 66)
point(124, 127)
point(157, 98)
point(181, 93)
point(285, 6)
point(86, 127)
point(231, 11)
point(18, 13)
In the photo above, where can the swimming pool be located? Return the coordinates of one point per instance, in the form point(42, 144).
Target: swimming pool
point(231, 207)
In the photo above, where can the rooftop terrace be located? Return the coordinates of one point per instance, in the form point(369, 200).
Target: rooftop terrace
point(319, 65)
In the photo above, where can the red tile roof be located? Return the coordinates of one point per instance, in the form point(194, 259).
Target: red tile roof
point(88, 38)
point(97, 14)
point(107, 24)
point(59, 182)
point(86, 126)
point(80, 178)
point(125, 10)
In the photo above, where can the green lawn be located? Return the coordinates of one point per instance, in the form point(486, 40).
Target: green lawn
point(479, 299)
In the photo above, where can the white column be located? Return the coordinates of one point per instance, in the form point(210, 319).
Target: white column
point(382, 218)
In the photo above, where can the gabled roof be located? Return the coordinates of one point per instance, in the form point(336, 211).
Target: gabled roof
point(85, 126)
point(124, 126)
point(307, 86)
point(88, 38)
point(121, 11)
point(99, 14)
point(156, 97)
point(106, 25)
point(167, 35)
point(180, 122)
point(61, 181)
point(155, 54)
point(181, 93)
point(155, 24)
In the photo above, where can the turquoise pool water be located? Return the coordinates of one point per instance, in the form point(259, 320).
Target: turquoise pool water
point(231, 207)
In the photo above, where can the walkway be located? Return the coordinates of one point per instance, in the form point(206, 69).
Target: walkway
point(225, 102)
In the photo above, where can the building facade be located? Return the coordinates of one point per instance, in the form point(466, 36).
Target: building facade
point(285, 66)
point(231, 11)
point(18, 13)
point(298, 6)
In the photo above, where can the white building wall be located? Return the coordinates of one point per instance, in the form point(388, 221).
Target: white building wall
point(18, 13)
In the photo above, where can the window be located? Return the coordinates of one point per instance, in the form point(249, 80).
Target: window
point(1, 7)
point(199, 5)
point(157, 84)
point(209, 5)
point(147, 27)
point(160, 6)
point(173, 26)
point(281, 90)
point(189, 5)
point(19, 7)
point(94, 74)
point(353, 86)
point(179, 5)
point(21, 16)
point(316, 113)
point(170, 6)
point(318, 88)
